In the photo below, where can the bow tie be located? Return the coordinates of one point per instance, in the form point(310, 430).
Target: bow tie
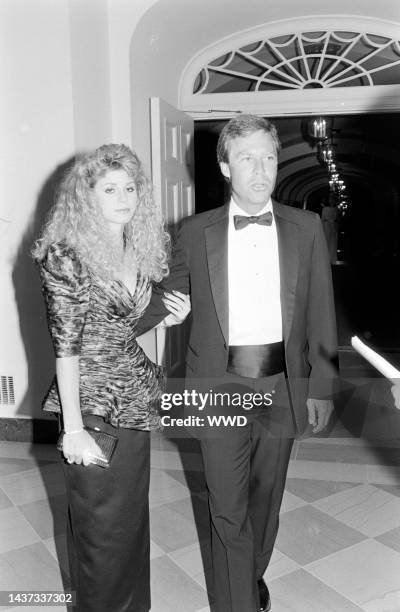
point(241, 221)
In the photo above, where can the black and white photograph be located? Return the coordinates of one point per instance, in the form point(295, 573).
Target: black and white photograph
point(199, 320)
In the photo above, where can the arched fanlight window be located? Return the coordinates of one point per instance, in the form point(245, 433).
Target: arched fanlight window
point(303, 61)
point(324, 64)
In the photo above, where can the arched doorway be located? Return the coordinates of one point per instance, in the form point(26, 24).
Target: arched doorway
point(337, 67)
point(371, 38)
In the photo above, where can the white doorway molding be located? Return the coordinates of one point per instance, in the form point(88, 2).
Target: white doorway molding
point(379, 39)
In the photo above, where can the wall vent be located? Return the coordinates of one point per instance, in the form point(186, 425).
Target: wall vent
point(7, 395)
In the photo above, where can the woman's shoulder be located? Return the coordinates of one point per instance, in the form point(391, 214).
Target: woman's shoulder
point(63, 259)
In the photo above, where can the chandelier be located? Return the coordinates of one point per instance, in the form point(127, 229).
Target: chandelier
point(320, 130)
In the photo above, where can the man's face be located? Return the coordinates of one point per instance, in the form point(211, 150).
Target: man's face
point(251, 170)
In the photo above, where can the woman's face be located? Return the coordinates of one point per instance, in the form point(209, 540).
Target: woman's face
point(116, 195)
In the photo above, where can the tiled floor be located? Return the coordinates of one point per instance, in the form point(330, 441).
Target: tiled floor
point(338, 548)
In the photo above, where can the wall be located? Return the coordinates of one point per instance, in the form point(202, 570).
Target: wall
point(37, 123)
point(54, 70)
point(90, 72)
point(124, 17)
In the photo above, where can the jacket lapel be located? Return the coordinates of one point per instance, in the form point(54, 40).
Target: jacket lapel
point(288, 238)
point(216, 235)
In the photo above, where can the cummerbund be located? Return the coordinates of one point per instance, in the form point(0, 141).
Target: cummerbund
point(256, 360)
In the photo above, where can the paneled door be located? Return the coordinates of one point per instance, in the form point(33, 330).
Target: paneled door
point(172, 160)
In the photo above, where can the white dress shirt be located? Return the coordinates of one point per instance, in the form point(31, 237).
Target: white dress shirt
point(255, 315)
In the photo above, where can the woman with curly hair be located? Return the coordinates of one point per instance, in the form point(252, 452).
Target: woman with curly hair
point(100, 250)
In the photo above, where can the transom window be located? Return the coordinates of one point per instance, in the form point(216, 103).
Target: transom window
point(306, 60)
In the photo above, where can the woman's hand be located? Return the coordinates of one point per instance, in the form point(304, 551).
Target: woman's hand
point(179, 306)
point(80, 447)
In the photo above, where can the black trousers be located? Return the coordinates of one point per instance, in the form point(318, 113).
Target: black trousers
point(245, 470)
point(108, 531)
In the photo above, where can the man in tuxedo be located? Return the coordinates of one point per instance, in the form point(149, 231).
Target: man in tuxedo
point(263, 316)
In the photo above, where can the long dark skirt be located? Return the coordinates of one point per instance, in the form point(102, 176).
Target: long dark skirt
point(108, 539)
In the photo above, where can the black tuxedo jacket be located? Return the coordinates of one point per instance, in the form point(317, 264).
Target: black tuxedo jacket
point(200, 267)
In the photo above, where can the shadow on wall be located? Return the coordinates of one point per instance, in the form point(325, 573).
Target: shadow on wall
point(31, 308)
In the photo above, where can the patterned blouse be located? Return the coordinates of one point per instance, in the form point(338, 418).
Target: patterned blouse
point(96, 320)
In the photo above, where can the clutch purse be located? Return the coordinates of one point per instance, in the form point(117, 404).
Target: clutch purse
point(105, 441)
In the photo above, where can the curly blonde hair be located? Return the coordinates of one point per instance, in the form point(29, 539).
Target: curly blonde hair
point(77, 220)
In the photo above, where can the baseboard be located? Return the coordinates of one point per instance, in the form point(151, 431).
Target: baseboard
point(40, 431)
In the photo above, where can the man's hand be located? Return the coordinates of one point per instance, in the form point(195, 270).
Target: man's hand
point(396, 394)
point(319, 412)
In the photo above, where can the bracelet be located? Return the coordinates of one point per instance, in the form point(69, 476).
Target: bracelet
point(73, 432)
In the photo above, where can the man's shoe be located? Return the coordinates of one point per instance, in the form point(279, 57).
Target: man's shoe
point(265, 600)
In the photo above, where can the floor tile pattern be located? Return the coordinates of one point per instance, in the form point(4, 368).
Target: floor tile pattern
point(338, 547)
